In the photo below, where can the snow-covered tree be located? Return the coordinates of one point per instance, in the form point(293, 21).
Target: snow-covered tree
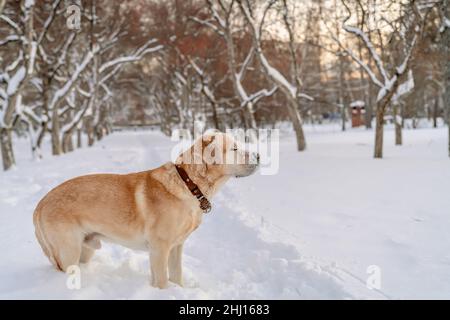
point(25, 41)
point(385, 74)
point(223, 21)
point(293, 91)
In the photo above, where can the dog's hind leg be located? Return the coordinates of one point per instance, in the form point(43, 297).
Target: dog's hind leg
point(66, 242)
point(86, 254)
point(90, 244)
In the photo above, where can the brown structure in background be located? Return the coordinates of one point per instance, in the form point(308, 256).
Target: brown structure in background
point(358, 113)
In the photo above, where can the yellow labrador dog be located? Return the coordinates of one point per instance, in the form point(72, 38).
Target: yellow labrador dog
point(154, 210)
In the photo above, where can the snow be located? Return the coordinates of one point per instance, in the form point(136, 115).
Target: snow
point(32, 57)
point(405, 87)
point(386, 88)
point(327, 216)
point(357, 103)
point(305, 96)
point(29, 3)
point(15, 81)
point(9, 39)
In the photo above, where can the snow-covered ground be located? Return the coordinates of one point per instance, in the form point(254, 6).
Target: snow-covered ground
point(311, 231)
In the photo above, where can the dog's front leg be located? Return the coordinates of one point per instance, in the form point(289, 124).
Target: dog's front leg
point(175, 265)
point(159, 257)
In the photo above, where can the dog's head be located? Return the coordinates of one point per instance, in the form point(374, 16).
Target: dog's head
point(220, 154)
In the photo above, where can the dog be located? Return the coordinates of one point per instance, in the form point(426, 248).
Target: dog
point(154, 210)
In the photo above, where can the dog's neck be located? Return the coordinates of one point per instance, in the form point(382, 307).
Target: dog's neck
point(209, 182)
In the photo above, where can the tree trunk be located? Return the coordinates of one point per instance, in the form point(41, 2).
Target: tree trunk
point(56, 141)
point(99, 132)
point(298, 128)
point(6, 148)
point(67, 143)
point(251, 116)
point(398, 126)
point(91, 139)
point(90, 132)
point(341, 91)
point(40, 138)
point(379, 132)
point(403, 115)
point(215, 118)
point(79, 142)
point(381, 109)
point(435, 112)
point(343, 116)
point(37, 148)
point(445, 63)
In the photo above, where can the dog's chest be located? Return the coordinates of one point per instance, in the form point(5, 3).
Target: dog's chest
point(191, 223)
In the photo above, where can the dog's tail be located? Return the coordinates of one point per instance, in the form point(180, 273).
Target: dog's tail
point(42, 239)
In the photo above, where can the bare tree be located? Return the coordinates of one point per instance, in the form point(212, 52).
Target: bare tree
point(222, 22)
point(292, 92)
point(16, 75)
point(385, 76)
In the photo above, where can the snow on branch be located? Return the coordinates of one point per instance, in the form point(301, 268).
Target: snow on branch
point(76, 119)
point(11, 23)
point(363, 36)
point(136, 56)
point(8, 39)
point(216, 15)
point(255, 97)
point(305, 96)
point(405, 87)
point(402, 67)
point(48, 21)
point(277, 77)
point(15, 81)
point(389, 83)
point(245, 64)
point(209, 24)
point(372, 75)
point(64, 90)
